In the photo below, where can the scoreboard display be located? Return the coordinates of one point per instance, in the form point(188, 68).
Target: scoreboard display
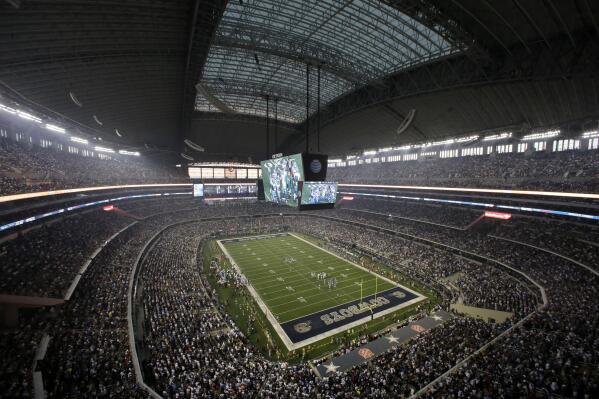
point(315, 166)
point(214, 171)
point(286, 179)
point(281, 178)
point(319, 192)
point(198, 190)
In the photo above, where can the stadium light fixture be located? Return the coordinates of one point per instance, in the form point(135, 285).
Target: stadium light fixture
point(542, 135)
point(441, 142)
point(7, 109)
point(193, 145)
point(78, 140)
point(446, 142)
point(103, 149)
point(55, 128)
point(498, 136)
point(29, 117)
point(466, 139)
point(125, 152)
point(335, 160)
point(75, 100)
point(386, 149)
point(590, 134)
point(372, 152)
point(186, 157)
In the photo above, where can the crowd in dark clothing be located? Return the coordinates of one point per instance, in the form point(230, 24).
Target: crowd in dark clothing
point(25, 167)
point(557, 171)
point(44, 261)
point(194, 349)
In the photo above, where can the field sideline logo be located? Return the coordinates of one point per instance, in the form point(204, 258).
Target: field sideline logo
point(366, 353)
point(399, 294)
point(303, 328)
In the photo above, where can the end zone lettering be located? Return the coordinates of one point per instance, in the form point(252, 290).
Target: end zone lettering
point(353, 310)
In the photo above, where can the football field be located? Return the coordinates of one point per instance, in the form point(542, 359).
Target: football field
point(307, 292)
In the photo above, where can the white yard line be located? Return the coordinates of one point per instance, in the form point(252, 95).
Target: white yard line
point(347, 283)
point(348, 277)
point(358, 266)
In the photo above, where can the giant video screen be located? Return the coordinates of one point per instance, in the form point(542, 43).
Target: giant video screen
point(281, 177)
point(198, 190)
point(319, 192)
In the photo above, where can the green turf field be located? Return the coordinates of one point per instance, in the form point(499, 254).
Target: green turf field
point(279, 268)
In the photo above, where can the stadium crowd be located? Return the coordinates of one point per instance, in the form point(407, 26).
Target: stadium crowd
point(563, 171)
point(88, 354)
point(574, 241)
point(459, 217)
point(44, 261)
point(192, 348)
point(567, 324)
point(25, 167)
point(28, 168)
point(480, 285)
point(19, 345)
point(196, 350)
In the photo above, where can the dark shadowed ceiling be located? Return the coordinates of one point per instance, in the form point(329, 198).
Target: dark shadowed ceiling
point(462, 65)
point(129, 63)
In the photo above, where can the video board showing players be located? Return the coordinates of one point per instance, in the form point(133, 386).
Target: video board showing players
point(281, 177)
point(198, 190)
point(319, 192)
